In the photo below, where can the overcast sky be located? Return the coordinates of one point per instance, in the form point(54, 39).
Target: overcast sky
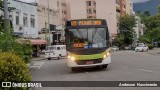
point(140, 1)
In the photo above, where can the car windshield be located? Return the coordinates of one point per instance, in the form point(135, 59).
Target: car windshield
point(141, 46)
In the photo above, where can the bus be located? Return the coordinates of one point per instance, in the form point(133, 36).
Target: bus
point(87, 43)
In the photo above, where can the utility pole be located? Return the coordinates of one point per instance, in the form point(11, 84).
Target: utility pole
point(49, 24)
point(6, 17)
point(110, 27)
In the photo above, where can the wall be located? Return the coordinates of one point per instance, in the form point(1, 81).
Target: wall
point(29, 9)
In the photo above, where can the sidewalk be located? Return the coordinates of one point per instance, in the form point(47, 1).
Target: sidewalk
point(42, 57)
point(155, 51)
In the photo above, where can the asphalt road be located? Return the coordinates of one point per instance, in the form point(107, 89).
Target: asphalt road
point(126, 66)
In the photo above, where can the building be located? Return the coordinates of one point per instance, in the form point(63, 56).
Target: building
point(24, 18)
point(129, 7)
point(57, 17)
point(47, 18)
point(140, 28)
point(124, 7)
point(102, 9)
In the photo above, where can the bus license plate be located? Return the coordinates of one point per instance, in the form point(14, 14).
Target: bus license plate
point(89, 62)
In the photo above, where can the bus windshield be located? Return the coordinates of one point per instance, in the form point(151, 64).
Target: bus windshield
point(87, 38)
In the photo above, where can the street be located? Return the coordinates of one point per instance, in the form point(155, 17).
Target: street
point(126, 66)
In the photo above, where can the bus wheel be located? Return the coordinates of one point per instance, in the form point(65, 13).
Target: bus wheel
point(49, 58)
point(104, 66)
point(74, 69)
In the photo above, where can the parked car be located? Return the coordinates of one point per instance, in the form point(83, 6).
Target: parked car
point(141, 48)
point(115, 48)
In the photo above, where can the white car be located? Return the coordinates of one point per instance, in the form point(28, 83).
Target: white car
point(115, 48)
point(141, 48)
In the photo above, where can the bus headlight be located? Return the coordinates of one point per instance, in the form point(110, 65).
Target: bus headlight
point(105, 56)
point(108, 54)
point(69, 56)
point(72, 59)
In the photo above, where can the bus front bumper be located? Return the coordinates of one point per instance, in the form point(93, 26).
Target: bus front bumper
point(104, 62)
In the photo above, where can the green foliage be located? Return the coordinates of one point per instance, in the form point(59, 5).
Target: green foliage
point(152, 22)
point(119, 40)
point(153, 29)
point(158, 9)
point(13, 69)
point(19, 47)
point(143, 15)
point(9, 43)
point(126, 25)
point(127, 22)
point(150, 46)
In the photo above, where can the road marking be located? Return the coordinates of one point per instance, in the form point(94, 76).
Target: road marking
point(145, 70)
point(40, 65)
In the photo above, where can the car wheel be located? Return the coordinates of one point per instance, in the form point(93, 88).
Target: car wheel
point(142, 50)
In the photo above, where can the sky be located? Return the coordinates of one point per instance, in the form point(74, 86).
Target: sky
point(140, 1)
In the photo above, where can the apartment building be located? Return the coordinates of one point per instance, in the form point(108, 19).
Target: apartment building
point(102, 9)
point(24, 18)
point(124, 7)
point(140, 28)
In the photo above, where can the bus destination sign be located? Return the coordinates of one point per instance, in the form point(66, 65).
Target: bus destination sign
point(86, 22)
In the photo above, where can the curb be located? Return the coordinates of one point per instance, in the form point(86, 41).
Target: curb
point(38, 59)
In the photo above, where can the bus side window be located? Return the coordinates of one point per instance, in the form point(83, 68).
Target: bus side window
point(58, 48)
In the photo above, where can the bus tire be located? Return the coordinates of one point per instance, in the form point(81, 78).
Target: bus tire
point(104, 66)
point(74, 69)
point(49, 58)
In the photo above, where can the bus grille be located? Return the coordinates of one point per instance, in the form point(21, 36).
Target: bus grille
point(84, 62)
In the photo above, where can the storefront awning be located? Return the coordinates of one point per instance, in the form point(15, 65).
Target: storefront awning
point(38, 41)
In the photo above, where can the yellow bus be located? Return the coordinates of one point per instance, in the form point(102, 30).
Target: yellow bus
point(87, 43)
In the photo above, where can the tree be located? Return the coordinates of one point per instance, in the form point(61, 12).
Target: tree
point(152, 33)
point(8, 41)
point(147, 13)
point(158, 9)
point(126, 25)
point(152, 22)
point(119, 40)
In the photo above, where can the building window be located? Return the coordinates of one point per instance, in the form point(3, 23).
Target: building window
point(117, 2)
point(94, 3)
point(88, 3)
point(89, 17)
point(57, 3)
point(90, 11)
point(32, 21)
point(25, 20)
point(17, 18)
point(94, 11)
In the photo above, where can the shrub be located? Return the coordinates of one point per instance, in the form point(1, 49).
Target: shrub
point(150, 46)
point(13, 69)
point(21, 48)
